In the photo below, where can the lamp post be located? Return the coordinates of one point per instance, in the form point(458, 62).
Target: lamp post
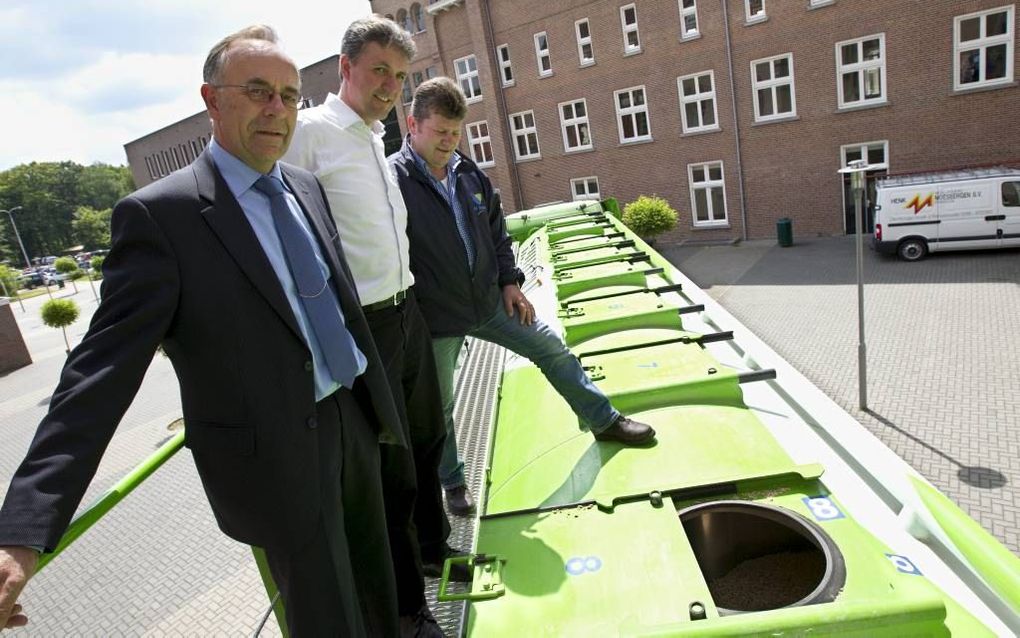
point(857, 170)
point(10, 214)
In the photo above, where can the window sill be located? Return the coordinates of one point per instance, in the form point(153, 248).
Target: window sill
point(507, 85)
point(485, 165)
point(643, 140)
point(583, 65)
point(862, 107)
point(525, 160)
point(818, 5)
point(777, 120)
point(690, 38)
point(750, 22)
point(724, 225)
point(703, 131)
point(966, 90)
point(576, 151)
point(473, 100)
point(627, 53)
point(542, 76)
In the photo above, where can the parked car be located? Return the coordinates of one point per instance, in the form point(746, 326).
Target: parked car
point(30, 279)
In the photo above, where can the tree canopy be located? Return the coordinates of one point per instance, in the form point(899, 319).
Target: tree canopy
point(63, 204)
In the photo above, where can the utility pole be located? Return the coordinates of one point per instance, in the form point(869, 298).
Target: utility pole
point(857, 170)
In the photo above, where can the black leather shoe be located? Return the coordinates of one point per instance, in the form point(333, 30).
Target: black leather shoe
point(459, 572)
point(459, 501)
point(628, 432)
point(420, 625)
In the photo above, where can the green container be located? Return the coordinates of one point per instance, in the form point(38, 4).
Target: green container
point(784, 230)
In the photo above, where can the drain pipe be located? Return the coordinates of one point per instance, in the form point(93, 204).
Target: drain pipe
point(736, 124)
point(501, 110)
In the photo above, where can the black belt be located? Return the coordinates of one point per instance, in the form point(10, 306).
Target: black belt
point(391, 302)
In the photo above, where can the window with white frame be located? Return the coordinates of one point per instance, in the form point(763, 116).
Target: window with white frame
point(407, 93)
point(542, 54)
point(467, 77)
point(430, 72)
point(860, 71)
point(708, 193)
point(632, 114)
point(417, 78)
point(506, 71)
point(697, 102)
point(480, 143)
point(688, 18)
point(585, 188)
point(772, 84)
point(574, 124)
point(628, 21)
point(754, 10)
point(983, 48)
point(525, 134)
point(585, 52)
point(418, 17)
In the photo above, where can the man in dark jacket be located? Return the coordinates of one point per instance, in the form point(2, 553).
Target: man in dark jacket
point(467, 281)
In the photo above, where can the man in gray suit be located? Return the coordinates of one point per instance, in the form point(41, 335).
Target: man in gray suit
point(233, 264)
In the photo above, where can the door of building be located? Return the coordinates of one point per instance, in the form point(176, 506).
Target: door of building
point(874, 153)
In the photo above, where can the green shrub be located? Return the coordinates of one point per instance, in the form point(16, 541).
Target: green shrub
point(65, 265)
point(60, 313)
point(9, 276)
point(97, 263)
point(649, 216)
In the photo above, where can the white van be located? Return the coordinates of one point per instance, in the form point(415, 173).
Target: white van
point(952, 210)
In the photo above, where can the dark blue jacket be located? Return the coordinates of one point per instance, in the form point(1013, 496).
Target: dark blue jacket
point(453, 299)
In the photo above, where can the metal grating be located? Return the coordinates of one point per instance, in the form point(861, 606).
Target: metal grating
point(476, 391)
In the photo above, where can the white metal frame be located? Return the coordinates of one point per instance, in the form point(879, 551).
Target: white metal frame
point(861, 68)
point(698, 97)
point(480, 143)
point(982, 44)
point(632, 112)
point(707, 184)
point(466, 69)
point(771, 85)
point(527, 132)
point(576, 122)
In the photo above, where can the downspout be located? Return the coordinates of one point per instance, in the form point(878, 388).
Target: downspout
point(501, 106)
point(736, 122)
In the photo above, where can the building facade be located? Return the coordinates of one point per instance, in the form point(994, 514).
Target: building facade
point(738, 112)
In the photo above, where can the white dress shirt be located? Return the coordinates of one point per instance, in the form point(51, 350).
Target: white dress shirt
point(348, 157)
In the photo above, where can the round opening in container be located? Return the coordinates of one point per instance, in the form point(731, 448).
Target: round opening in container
point(758, 557)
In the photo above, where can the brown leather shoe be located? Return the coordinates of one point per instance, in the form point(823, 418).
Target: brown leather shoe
point(459, 501)
point(628, 432)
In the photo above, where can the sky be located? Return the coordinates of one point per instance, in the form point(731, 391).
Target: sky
point(80, 78)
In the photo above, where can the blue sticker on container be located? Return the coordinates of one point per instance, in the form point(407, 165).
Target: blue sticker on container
point(903, 564)
point(583, 564)
point(822, 508)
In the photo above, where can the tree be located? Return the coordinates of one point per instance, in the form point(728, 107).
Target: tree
point(49, 194)
point(92, 227)
point(69, 267)
point(60, 313)
point(649, 216)
point(9, 277)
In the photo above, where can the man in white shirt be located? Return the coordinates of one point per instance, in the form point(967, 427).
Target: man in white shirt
point(340, 142)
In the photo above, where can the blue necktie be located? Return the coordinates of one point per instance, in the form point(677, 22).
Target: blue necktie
point(319, 301)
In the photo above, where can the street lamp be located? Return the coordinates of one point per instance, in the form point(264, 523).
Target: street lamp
point(857, 170)
point(10, 214)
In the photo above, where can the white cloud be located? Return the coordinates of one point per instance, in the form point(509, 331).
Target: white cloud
point(85, 101)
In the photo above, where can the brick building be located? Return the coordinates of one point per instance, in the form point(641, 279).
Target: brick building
point(738, 112)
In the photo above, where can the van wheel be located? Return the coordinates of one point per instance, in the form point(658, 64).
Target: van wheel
point(912, 249)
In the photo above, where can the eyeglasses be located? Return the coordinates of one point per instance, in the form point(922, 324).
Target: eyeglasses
point(263, 94)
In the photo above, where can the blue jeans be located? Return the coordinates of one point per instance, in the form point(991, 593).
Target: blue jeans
point(545, 349)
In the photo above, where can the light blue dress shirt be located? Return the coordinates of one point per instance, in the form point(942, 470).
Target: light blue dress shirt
point(240, 178)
